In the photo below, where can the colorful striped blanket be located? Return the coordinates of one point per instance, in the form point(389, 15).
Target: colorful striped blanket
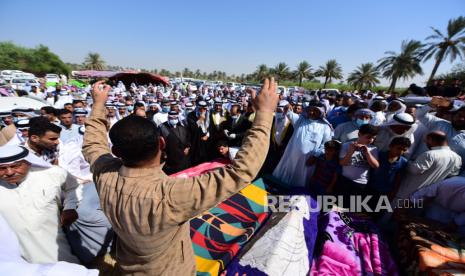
point(218, 234)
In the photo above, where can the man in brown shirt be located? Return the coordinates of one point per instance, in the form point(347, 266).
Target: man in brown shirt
point(150, 211)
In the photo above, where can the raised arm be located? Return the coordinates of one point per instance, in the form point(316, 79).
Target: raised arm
point(95, 138)
point(191, 196)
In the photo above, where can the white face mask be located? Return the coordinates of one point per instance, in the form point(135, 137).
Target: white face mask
point(173, 122)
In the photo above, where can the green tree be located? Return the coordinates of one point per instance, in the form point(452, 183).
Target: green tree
point(442, 46)
point(94, 61)
point(404, 65)
point(281, 71)
point(38, 61)
point(262, 72)
point(331, 70)
point(365, 76)
point(303, 71)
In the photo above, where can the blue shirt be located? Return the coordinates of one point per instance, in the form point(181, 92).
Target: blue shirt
point(338, 116)
point(383, 178)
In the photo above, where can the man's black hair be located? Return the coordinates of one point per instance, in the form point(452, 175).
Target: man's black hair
point(64, 111)
point(401, 141)
point(378, 106)
point(49, 110)
point(356, 106)
point(222, 143)
point(67, 104)
point(368, 129)
point(136, 139)
point(437, 138)
point(333, 144)
point(40, 125)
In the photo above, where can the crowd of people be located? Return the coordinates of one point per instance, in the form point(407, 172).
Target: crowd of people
point(89, 174)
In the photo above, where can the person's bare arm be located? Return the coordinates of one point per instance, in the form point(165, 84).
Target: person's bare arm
point(372, 161)
point(345, 161)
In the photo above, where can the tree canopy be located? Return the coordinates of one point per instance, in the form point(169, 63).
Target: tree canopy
point(39, 60)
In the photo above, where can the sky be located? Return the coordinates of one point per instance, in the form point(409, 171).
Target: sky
point(230, 36)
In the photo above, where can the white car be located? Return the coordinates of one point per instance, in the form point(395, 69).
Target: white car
point(52, 78)
point(233, 85)
point(282, 90)
point(22, 84)
point(8, 75)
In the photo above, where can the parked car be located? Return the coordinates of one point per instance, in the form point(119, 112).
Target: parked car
point(52, 78)
point(8, 75)
point(22, 84)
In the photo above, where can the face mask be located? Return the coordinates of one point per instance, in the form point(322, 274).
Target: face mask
point(344, 108)
point(361, 122)
point(234, 116)
point(279, 115)
point(15, 119)
point(173, 122)
point(166, 109)
point(130, 108)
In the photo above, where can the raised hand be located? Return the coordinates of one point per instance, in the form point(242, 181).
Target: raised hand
point(100, 95)
point(268, 98)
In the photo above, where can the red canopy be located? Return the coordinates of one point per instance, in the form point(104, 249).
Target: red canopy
point(140, 78)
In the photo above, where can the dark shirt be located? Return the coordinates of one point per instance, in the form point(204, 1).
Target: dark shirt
point(383, 178)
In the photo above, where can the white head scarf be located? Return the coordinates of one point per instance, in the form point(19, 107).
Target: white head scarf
point(11, 153)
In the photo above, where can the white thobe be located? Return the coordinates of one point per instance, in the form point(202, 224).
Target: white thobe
point(430, 167)
point(11, 262)
point(32, 209)
point(307, 140)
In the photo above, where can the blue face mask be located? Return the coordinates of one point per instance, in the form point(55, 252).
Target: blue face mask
point(234, 116)
point(165, 109)
point(344, 108)
point(361, 122)
point(173, 122)
point(15, 119)
point(130, 108)
point(279, 115)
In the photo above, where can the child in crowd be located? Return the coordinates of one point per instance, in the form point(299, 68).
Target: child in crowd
point(357, 158)
point(385, 180)
point(226, 151)
point(326, 170)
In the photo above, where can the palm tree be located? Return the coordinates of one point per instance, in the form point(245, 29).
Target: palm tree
point(262, 72)
point(94, 61)
point(331, 70)
point(303, 71)
point(404, 65)
point(281, 71)
point(451, 46)
point(365, 76)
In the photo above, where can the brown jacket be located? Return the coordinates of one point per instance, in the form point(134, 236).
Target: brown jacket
point(150, 211)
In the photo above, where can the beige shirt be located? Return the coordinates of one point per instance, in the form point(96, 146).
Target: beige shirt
point(150, 211)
